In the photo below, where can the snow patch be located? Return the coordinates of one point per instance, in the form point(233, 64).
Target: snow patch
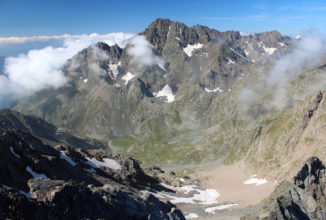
point(117, 85)
point(191, 216)
point(112, 164)
point(246, 52)
point(221, 207)
point(213, 90)
point(256, 181)
point(178, 39)
point(114, 69)
point(190, 48)
point(85, 80)
point(168, 31)
point(269, 50)
point(66, 158)
point(156, 194)
point(282, 44)
point(128, 77)
point(166, 91)
point(240, 55)
point(230, 61)
point(13, 152)
point(206, 197)
point(34, 174)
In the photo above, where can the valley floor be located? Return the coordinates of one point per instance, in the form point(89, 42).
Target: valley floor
point(229, 181)
point(240, 192)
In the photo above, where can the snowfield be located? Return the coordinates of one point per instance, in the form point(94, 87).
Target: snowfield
point(114, 69)
point(112, 164)
point(128, 77)
point(190, 48)
point(166, 91)
point(269, 50)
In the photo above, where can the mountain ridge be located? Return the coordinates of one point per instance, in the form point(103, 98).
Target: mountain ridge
point(113, 99)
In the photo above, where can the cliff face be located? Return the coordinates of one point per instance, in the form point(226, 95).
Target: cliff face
point(303, 199)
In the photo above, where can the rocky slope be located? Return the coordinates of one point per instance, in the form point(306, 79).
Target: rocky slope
point(178, 103)
point(43, 130)
point(303, 199)
point(45, 182)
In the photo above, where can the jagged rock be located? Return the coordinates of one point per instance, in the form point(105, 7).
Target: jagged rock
point(312, 178)
point(304, 199)
point(74, 184)
point(66, 200)
point(44, 190)
point(14, 205)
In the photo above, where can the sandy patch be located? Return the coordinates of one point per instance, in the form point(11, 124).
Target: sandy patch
point(229, 182)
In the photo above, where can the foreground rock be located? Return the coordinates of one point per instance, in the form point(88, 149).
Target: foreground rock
point(305, 199)
point(38, 181)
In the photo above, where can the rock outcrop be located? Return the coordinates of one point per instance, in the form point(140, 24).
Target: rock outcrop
point(303, 199)
point(38, 181)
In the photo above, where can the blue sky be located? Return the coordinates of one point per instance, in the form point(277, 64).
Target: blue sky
point(54, 17)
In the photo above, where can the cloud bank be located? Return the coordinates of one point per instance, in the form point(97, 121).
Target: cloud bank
point(142, 54)
point(307, 53)
point(94, 36)
point(39, 69)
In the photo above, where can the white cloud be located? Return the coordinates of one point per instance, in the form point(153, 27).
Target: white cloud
point(246, 98)
point(307, 53)
point(21, 40)
point(39, 69)
point(141, 52)
point(107, 38)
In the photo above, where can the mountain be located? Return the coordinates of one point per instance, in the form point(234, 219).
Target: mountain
point(196, 95)
point(171, 103)
point(179, 97)
point(59, 182)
